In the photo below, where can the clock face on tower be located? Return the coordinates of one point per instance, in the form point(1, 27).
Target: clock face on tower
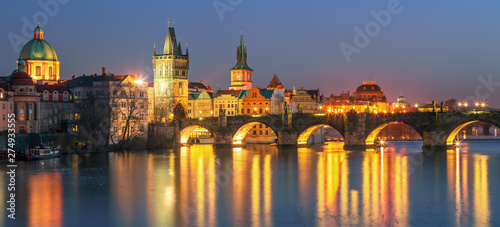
point(238, 77)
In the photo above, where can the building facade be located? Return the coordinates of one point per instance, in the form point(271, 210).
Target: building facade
point(122, 104)
point(228, 101)
point(200, 105)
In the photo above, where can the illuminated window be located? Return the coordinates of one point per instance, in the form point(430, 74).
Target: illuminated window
point(38, 71)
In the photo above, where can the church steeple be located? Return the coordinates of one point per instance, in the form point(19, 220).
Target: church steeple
point(241, 55)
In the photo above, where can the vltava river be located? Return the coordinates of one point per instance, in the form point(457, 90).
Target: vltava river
point(260, 185)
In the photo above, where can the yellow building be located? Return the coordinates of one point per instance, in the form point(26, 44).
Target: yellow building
point(309, 101)
point(228, 101)
point(40, 59)
point(200, 105)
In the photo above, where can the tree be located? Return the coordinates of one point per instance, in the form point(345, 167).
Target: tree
point(93, 116)
point(128, 110)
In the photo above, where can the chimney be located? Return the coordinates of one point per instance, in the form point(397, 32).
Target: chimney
point(95, 75)
point(103, 71)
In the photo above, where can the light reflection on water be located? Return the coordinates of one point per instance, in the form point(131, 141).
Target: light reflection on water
point(260, 185)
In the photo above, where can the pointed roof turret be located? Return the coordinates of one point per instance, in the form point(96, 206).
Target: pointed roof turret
point(170, 42)
point(275, 83)
point(241, 55)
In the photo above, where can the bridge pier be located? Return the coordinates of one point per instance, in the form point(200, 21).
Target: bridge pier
point(434, 138)
point(287, 137)
point(355, 131)
point(223, 137)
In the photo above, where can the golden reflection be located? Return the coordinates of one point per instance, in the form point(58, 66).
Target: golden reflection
point(161, 191)
point(328, 178)
point(481, 192)
point(385, 187)
point(252, 186)
point(45, 204)
point(255, 175)
point(459, 165)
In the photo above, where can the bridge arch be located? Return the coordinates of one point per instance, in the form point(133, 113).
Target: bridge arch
point(304, 135)
point(370, 139)
point(242, 131)
point(186, 133)
point(450, 140)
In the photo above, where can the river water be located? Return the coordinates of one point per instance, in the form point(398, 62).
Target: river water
point(259, 185)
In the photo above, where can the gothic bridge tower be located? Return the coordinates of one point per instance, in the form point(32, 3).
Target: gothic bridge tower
point(170, 78)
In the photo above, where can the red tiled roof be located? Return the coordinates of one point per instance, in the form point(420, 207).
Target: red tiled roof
point(51, 88)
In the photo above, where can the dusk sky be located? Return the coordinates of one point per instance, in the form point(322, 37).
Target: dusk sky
point(429, 50)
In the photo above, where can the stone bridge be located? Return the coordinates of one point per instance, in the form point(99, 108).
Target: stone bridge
point(438, 130)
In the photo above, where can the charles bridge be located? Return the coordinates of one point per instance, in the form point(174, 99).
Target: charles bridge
point(437, 129)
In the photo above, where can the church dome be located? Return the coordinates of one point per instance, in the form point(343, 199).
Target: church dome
point(38, 48)
point(369, 88)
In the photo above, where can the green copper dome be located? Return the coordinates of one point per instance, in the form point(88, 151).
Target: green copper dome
point(38, 48)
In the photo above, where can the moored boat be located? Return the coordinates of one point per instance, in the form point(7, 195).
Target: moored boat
point(41, 152)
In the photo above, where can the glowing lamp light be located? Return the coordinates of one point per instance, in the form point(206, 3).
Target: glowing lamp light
point(466, 104)
point(477, 104)
point(138, 81)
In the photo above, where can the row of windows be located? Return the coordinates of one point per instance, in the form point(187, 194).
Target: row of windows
point(226, 101)
point(253, 103)
point(251, 111)
point(124, 117)
point(224, 105)
point(260, 132)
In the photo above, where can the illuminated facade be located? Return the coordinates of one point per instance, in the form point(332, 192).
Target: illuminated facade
point(228, 101)
point(309, 101)
point(200, 104)
point(40, 59)
point(368, 97)
point(170, 78)
point(241, 74)
point(38, 108)
point(122, 98)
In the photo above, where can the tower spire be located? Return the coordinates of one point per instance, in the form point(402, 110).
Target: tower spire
point(241, 54)
point(154, 48)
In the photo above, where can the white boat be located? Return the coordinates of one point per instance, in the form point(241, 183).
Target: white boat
point(42, 152)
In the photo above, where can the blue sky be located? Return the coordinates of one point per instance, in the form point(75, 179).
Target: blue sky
point(429, 50)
